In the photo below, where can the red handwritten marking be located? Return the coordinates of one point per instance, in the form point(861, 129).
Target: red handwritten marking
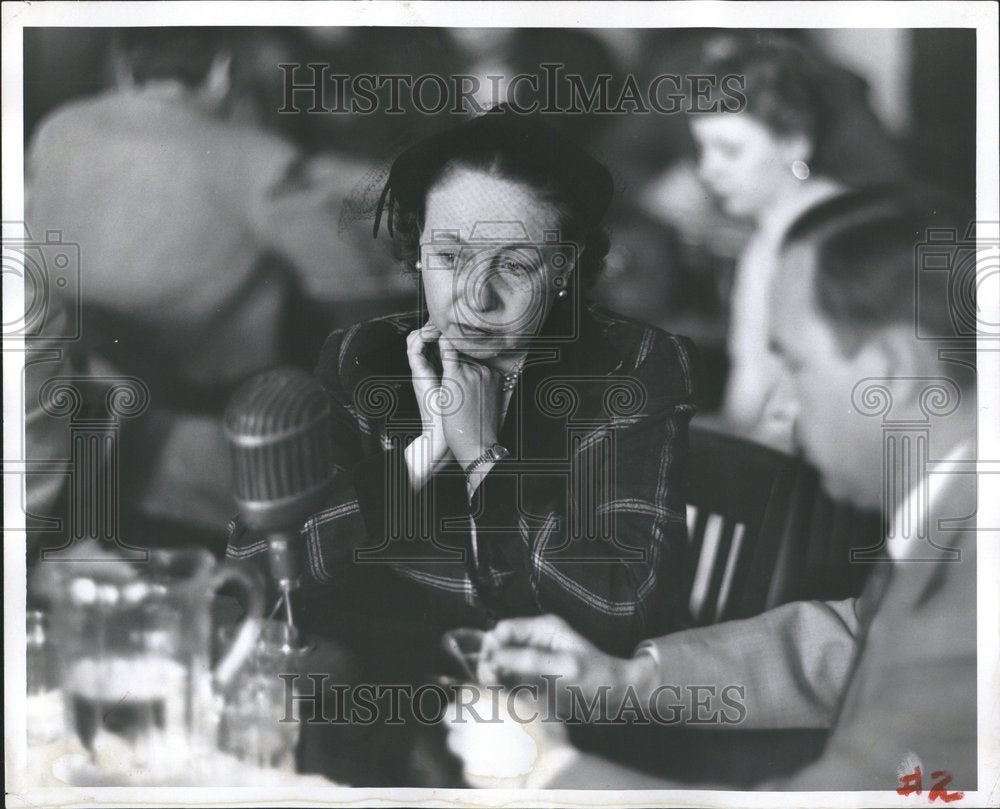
point(912, 782)
point(938, 791)
point(104, 719)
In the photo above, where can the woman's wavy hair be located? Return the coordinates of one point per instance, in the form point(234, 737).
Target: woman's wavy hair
point(515, 146)
point(787, 89)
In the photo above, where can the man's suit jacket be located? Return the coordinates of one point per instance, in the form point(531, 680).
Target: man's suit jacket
point(893, 672)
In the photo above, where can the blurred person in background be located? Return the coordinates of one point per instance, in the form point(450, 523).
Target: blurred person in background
point(48, 440)
point(643, 275)
point(497, 56)
point(730, 205)
point(763, 163)
point(891, 673)
point(193, 230)
point(378, 52)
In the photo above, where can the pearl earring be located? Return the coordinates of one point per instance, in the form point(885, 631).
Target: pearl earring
point(800, 169)
point(562, 293)
point(418, 266)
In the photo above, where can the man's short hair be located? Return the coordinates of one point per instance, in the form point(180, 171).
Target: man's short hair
point(184, 54)
point(867, 246)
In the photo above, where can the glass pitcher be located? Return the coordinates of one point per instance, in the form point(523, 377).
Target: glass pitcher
point(134, 657)
point(253, 727)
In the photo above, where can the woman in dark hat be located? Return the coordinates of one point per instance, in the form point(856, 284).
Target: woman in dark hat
point(508, 448)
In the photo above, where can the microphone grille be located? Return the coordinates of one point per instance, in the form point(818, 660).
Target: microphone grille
point(279, 430)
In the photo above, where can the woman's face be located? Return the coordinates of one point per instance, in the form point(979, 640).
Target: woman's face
point(742, 162)
point(489, 252)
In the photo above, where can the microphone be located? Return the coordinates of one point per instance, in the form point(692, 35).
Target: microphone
point(281, 440)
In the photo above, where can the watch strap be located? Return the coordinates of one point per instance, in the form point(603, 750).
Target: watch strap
point(495, 452)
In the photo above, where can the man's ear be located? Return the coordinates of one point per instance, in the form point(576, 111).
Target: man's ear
point(894, 353)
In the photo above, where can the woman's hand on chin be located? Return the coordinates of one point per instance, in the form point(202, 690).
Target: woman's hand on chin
point(430, 451)
point(472, 398)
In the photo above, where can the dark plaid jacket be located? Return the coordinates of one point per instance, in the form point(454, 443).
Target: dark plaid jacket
point(586, 517)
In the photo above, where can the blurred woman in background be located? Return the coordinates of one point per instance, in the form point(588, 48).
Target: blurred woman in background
point(764, 163)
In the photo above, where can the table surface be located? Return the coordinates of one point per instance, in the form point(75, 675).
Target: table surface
point(65, 762)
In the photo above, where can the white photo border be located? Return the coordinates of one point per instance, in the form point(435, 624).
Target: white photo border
point(982, 16)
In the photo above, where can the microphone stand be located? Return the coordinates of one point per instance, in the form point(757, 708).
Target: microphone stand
point(283, 568)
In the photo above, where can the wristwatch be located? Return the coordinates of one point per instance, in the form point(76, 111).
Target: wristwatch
point(494, 452)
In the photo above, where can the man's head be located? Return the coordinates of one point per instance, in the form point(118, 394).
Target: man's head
point(197, 58)
point(843, 311)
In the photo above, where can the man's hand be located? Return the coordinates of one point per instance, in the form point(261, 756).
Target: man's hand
point(546, 650)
